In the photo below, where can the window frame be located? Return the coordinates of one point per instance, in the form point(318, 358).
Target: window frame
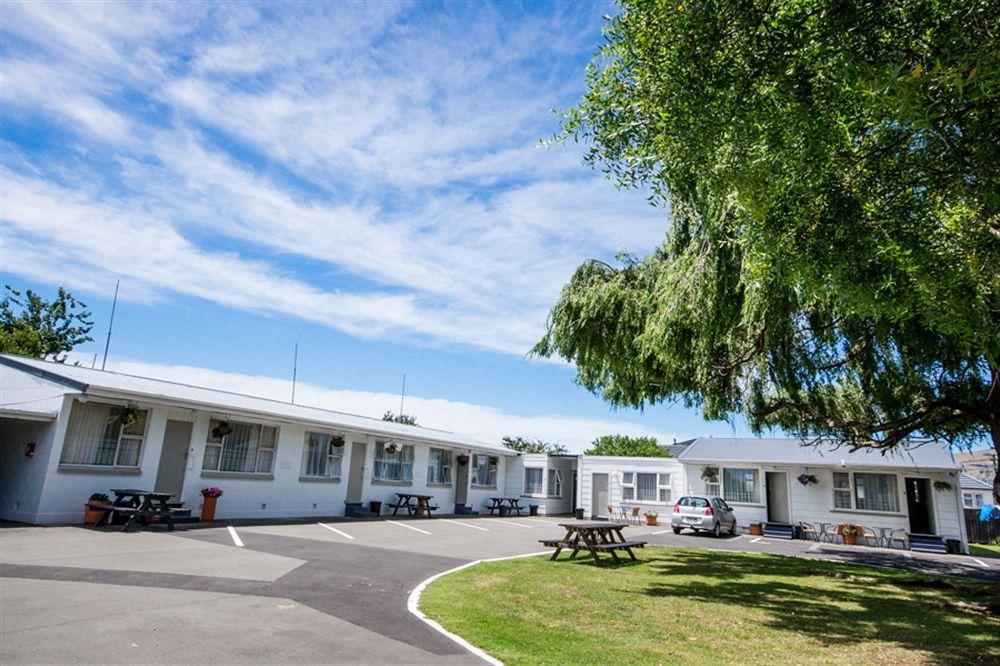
point(402, 461)
point(632, 485)
point(758, 501)
point(449, 457)
point(553, 473)
point(121, 435)
point(899, 497)
point(330, 449)
point(491, 471)
point(221, 446)
point(541, 481)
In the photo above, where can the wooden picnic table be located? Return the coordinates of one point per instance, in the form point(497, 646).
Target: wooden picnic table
point(594, 537)
point(138, 505)
point(414, 504)
point(497, 503)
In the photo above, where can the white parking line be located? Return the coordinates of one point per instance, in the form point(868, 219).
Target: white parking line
point(981, 563)
point(334, 529)
point(537, 520)
point(409, 527)
point(512, 524)
point(459, 522)
point(661, 532)
point(236, 537)
point(813, 548)
point(755, 540)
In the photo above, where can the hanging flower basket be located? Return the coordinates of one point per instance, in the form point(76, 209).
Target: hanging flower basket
point(710, 474)
point(127, 416)
point(221, 430)
point(337, 442)
point(463, 459)
point(808, 479)
point(942, 486)
point(391, 448)
point(494, 460)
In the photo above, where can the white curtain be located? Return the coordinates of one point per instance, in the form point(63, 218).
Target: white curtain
point(91, 435)
point(646, 487)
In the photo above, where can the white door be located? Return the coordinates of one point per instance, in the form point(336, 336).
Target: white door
point(356, 475)
point(173, 457)
point(599, 495)
point(777, 497)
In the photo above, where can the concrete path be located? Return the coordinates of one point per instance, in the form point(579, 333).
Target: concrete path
point(332, 592)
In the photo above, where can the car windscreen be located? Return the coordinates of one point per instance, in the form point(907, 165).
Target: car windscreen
point(697, 502)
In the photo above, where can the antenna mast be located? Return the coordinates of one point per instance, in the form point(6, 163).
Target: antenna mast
point(107, 343)
point(402, 395)
point(295, 370)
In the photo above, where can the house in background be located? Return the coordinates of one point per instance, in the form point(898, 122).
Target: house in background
point(61, 439)
point(975, 493)
point(980, 465)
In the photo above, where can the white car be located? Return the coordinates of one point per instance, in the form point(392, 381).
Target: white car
point(703, 514)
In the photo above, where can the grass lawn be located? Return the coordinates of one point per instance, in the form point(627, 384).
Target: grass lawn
point(984, 550)
point(699, 606)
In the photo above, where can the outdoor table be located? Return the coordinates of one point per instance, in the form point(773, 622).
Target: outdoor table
point(497, 503)
point(882, 535)
point(139, 504)
point(827, 532)
point(594, 537)
point(414, 504)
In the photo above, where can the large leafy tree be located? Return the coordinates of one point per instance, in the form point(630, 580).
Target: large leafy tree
point(623, 445)
point(527, 445)
point(32, 326)
point(832, 260)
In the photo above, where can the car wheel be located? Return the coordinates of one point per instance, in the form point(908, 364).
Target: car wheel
point(677, 530)
point(732, 530)
point(717, 530)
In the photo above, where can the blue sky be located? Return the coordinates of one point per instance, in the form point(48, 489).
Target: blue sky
point(364, 179)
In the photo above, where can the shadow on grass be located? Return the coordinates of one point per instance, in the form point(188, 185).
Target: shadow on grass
point(946, 620)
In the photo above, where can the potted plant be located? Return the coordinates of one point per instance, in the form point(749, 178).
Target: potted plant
point(849, 533)
point(210, 497)
point(91, 516)
point(494, 460)
point(942, 486)
point(128, 415)
point(651, 517)
point(757, 528)
point(221, 429)
point(808, 479)
point(710, 474)
point(337, 442)
point(462, 459)
point(391, 448)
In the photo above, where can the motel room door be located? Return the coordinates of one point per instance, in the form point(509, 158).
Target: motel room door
point(598, 495)
point(356, 473)
point(918, 505)
point(173, 457)
point(777, 497)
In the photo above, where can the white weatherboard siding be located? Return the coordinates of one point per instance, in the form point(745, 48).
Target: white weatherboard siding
point(814, 503)
point(548, 505)
point(615, 467)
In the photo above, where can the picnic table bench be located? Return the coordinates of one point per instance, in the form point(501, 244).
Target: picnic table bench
point(595, 537)
point(414, 504)
point(497, 505)
point(142, 505)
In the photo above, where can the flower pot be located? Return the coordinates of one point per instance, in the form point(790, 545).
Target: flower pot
point(208, 508)
point(651, 521)
point(850, 539)
point(91, 516)
point(756, 529)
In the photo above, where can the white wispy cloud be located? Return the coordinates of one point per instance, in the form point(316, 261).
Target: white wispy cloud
point(482, 422)
point(395, 145)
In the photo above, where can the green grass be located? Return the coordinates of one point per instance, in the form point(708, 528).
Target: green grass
point(701, 607)
point(984, 550)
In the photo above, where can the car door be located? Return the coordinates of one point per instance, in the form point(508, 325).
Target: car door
point(726, 514)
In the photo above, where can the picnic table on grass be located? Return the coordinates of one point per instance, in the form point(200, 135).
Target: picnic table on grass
point(414, 504)
point(595, 537)
point(497, 504)
point(141, 505)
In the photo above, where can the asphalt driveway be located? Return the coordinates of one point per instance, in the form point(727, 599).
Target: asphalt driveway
point(330, 592)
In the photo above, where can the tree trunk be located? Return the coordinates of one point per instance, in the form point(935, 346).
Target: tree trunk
point(995, 435)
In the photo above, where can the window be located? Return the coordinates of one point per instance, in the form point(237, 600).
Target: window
point(532, 480)
point(555, 483)
point(865, 492)
point(323, 454)
point(247, 448)
point(711, 477)
point(841, 490)
point(439, 466)
point(972, 500)
point(697, 502)
point(484, 472)
point(393, 462)
point(96, 436)
point(646, 487)
point(740, 485)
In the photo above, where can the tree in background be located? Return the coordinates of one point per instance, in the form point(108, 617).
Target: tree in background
point(623, 445)
point(405, 419)
point(832, 260)
point(525, 445)
point(32, 326)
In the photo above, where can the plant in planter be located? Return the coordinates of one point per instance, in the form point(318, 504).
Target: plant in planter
point(710, 474)
point(462, 459)
point(942, 486)
point(756, 529)
point(91, 516)
point(337, 442)
point(494, 460)
point(808, 479)
point(651, 517)
point(849, 533)
point(128, 415)
point(210, 497)
point(222, 429)
point(391, 448)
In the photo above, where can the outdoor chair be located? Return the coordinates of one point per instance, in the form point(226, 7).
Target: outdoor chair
point(871, 536)
point(634, 517)
point(828, 532)
point(900, 536)
point(612, 514)
point(808, 531)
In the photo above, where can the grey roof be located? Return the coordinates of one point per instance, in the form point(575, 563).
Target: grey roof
point(925, 455)
point(970, 482)
point(677, 448)
point(78, 379)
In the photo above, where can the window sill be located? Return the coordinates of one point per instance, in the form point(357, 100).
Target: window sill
point(70, 468)
point(439, 485)
point(863, 512)
point(750, 504)
point(319, 479)
point(387, 482)
point(211, 474)
point(479, 487)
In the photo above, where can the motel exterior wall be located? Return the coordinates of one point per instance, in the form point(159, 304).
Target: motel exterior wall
point(614, 467)
point(548, 505)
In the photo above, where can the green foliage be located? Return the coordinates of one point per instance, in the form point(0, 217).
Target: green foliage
point(525, 445)
point(405, 419)
point(31, 326)
point(623, 445)
point(832, 260)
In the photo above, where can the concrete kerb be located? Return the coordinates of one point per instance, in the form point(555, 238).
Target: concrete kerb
point(413, 604)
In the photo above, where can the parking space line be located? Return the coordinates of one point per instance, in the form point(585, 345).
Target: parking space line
point(409, 527)
point(513, 524)
point(236, 537)
point(537, 520)
point(661, 532)
point(334, 529)
point(459, 522)
point(981, 563)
